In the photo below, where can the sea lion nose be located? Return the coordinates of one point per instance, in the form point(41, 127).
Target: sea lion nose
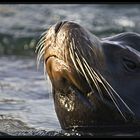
point(59, 25)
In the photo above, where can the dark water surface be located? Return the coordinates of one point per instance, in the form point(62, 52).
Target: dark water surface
point(24, 94)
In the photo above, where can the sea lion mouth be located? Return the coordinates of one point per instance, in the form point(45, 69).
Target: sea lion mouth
point(62, 75)
point(51, 56)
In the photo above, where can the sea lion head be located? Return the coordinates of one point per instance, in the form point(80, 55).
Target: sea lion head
point(82, 71)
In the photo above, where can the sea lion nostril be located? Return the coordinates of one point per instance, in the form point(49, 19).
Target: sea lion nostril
point(57, 27)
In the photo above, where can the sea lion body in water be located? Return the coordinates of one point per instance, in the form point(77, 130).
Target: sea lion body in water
point(95, 82)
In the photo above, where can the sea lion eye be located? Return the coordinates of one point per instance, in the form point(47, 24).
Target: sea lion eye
point(129, 64)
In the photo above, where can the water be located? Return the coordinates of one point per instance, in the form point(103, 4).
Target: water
point(21, 25)
point(24, 94)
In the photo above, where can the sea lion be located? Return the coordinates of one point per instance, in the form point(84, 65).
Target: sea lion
point(96, 81)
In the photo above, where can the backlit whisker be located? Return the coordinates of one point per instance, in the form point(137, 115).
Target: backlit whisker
point(92, 76)
point(45, 73)
point(118, 96)
point(39, 58)
point(40, 46)
point(80, 64)
point(42, 40)
point(72, 57)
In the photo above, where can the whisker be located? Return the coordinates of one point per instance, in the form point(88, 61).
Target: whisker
point(72, 57)
point(41, 51)
point(39, 58)
point(45, 72)
point(92, 76)
point(112, 98)
point(80, 64)
point(44, 33)
point(74, 46)
point(119, 97)
point(42, 40)
point(114, 101)
point(40, 45)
